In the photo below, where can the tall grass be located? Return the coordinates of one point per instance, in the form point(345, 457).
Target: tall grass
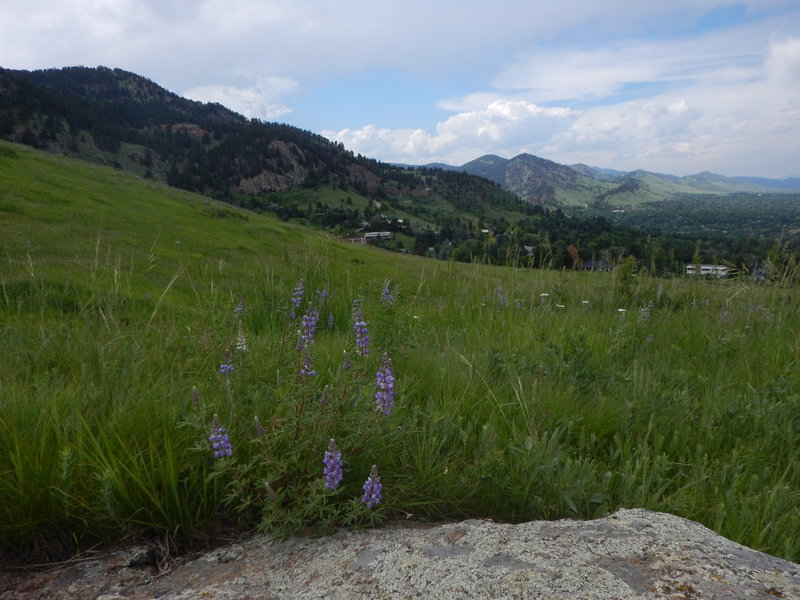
point(520, 394)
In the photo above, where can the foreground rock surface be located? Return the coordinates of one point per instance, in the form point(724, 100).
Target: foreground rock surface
point(633, 554)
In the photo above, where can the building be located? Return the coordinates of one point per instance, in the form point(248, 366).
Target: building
point(377, 235)
point(708, 270)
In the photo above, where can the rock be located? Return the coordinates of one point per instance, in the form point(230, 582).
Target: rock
point(633, 554)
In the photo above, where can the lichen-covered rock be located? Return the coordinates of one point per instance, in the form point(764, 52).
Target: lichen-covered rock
point(633, 554)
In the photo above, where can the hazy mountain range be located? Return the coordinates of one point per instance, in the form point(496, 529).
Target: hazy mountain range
point(539, 180)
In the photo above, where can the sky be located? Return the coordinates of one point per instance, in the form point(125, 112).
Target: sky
point(671, 86)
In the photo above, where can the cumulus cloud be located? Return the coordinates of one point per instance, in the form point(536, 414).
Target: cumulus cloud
point(783, 63)
point(717, 101)
point(575, 81)
point(502, 126)
point(263, 101)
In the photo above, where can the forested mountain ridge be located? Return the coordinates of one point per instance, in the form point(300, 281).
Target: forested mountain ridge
point(121, 119)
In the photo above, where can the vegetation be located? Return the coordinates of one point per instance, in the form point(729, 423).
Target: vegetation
point(138, 321)
point(757, 217)
point(121, 119)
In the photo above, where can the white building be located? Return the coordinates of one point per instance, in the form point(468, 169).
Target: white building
point(709, 270)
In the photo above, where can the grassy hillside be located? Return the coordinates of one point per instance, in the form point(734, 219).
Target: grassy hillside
point(137, 322)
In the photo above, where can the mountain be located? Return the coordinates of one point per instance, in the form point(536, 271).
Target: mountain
point(118, 118)
point(542, 181)
point(538, 180)
point(494, 210)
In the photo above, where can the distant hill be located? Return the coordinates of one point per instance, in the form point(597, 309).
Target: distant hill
point(543, 181)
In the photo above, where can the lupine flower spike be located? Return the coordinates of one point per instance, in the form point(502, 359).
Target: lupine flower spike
point(308, 328)
point(372, 489)
point(241, 342)
point(308, 367)
point(384, 397)
point(226, 368)
point(297, 297)
point(389, 295)
point(220, 442)
point(362, 333)
point(333, 466)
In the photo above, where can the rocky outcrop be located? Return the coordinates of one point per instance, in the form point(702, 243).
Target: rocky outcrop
point(363, 180)
point(633, 554)
point(287, 170)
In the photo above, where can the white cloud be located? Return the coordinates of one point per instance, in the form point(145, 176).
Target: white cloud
point(783, 63)
point(502, 126)
point(726, 101)
point(263, 101)
point(568, 80)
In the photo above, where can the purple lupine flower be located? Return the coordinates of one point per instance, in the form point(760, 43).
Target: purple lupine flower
point(309, 328)
point(297, 297)
point(220, 442)
point(322, 294)
point(362, 332)
point(346, 363)
point(330, 319)
point(307, 369)
point(501, 296)
point(387, 295)
point(372, 489)
point(333, 466)
point(226, 368)
point(384, 397)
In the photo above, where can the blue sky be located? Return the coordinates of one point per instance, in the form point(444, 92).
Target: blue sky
point(676, 86)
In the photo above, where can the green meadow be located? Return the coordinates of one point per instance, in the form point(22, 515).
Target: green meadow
point(518, 394)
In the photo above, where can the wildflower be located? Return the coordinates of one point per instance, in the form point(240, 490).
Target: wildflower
point(297, 297)
point(559, 306)
point(322, 294)
point(307, 368)
point(384, 397)
point(333, 466)
point(309, 327)
point(362, 332)
point(346, 363)
point(241, 342)
point(372, 489)
point(220, 442)
point(500, 296)
point(239, 309)
point(388, 295)
point(330, 319)
point(226, 368)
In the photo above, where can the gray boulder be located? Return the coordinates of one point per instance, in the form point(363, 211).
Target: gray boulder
point(632, 554)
